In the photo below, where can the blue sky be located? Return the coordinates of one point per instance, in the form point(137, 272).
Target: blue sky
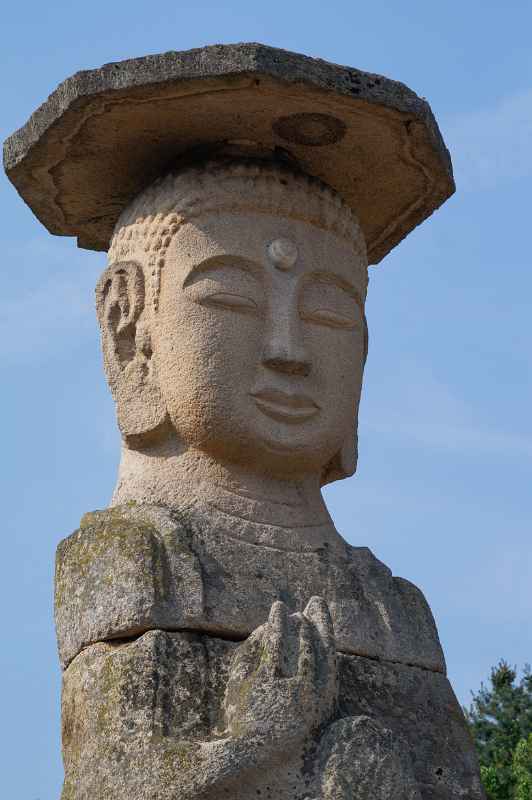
point(443, 490)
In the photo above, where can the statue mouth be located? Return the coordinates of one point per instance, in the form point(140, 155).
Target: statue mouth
point(284, 406)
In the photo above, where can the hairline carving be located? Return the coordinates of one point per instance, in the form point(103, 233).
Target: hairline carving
point(152, 219)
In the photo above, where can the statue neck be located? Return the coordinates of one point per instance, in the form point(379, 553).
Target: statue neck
point(183, 479)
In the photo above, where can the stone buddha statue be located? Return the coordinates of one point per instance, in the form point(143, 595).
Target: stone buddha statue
point(234, 337)
point(218, 637)
point(239, 626)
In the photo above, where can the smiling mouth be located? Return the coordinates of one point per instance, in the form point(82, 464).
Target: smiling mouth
point(285, 407)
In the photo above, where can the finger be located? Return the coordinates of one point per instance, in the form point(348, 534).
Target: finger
point(306, 665)
point(319, 616)
point(276, 639)
point(246, 656)
point(317, 611)
point(278, 614)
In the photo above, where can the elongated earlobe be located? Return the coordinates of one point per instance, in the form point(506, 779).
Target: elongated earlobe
point(344, 464)
point(127, 353)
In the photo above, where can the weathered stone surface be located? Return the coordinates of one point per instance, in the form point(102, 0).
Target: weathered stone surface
point(117, 577)
point(420, 706)
point(129, 569)
point(219, 637)
point(105, 134)
point(361, 759)
point(195, 247)
point(153, 718)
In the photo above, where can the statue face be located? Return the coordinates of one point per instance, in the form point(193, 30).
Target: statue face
point(259, 340)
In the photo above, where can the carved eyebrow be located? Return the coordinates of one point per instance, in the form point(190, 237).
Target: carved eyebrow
point(220, 262)
point(336, 280)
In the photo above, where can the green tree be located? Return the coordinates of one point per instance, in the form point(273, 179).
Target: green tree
point(522, 769)
point(500, 718)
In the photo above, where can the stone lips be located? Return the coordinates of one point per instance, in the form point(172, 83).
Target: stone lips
point(105, 134)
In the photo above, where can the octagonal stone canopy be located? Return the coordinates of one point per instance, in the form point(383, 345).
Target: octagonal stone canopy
point(105, 134)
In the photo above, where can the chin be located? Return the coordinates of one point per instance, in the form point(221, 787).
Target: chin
point(280, 449)
point(284, 454)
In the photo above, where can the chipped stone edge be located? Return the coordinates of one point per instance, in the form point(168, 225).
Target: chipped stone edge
point(217, 61)
point(240, 60)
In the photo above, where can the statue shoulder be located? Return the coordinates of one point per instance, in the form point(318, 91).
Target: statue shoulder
point(398, 610)
point(121, 573)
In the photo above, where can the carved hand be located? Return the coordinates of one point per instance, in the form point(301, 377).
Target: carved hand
point(282, 685)
point(283, 680)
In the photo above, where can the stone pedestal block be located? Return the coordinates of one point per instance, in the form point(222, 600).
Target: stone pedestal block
point(148, 719)
point(133, 568)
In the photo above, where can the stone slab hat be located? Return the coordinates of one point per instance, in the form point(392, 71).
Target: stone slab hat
point(105, 134)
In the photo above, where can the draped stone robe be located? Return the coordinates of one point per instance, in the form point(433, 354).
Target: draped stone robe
point(155, 614)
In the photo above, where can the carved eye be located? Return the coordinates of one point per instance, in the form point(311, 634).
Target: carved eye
point(229, 300)
point(325, 316)
point(324, 302)
point(225, 283)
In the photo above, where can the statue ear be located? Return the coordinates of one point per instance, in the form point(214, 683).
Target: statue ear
point(344, 464)
point(127, 352)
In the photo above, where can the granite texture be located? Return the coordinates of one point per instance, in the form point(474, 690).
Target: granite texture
point(189, 715)
point(219, 639)
point(105, 134)
point(133, 568)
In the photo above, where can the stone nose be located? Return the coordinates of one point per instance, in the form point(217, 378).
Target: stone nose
point(290, 366)
point(284, 350)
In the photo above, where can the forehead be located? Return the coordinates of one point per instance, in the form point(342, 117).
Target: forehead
point(248, 235)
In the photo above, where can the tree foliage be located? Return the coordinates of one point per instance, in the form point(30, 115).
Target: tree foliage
point(522, 769)
point(500, 718)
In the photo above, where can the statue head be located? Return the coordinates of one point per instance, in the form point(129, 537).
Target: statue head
point(232, 318)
